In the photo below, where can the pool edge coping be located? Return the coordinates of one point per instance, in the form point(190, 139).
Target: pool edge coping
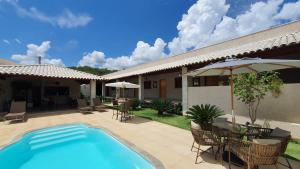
point(147, 156)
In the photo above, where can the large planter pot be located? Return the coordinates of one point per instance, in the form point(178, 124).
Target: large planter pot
point(206, 126)
point(195, 125)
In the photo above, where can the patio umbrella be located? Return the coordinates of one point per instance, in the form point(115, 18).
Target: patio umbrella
point(123, 85)
point(243, 65)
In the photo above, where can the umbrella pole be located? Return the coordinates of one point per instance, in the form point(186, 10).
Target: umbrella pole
point(231, 94)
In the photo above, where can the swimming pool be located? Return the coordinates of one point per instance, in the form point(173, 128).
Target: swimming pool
point(76, 146)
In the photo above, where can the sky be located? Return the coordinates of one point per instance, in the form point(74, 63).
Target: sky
point(118, 34)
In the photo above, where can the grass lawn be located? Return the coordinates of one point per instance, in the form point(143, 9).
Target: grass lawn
point(293, 150)
point(173, 120)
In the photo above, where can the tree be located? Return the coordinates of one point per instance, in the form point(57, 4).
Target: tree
point(95, 71)
point(251, 88)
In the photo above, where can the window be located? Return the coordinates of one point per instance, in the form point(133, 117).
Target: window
point(196, 81)
point(154, 84)
point(147, 84)
point(178, 82)
point(210, 81)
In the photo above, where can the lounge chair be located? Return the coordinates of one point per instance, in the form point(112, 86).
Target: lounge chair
point(98, 105)
point(17, 111)
point(83, 107)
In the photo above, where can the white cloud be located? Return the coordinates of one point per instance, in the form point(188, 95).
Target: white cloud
point(197, 25)
point(206, 22)
point(93, 59)
point(6, 41)
point(65, 20)
point(141, 54)
point(70, 20)
point(35, 51)
point(289, 11)
point(259, 17)
point(18, 40)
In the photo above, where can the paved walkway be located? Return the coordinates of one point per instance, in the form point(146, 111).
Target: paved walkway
point(169, 144)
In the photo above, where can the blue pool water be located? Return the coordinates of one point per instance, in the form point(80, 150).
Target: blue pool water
point(70, 147)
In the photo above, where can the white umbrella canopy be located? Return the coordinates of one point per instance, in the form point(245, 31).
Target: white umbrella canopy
point(123, 85)
point(243, 65)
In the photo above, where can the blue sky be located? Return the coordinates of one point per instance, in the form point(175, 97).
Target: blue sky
point(118, 34)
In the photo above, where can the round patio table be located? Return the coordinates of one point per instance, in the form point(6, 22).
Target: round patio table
point(226, 130)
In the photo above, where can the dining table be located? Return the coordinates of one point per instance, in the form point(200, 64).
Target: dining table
point(226, 130)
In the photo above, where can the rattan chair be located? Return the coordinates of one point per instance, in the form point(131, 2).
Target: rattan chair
point(98, 105)
point(285, 139)
point(205, 138)
point(124, 111)
point(83, 107)
point(254, 132)
point(255, 154)
point(116, 108)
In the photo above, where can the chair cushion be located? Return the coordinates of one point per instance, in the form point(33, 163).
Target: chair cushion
point(14, 114)
point(266, 141)
point(278, 132)
point(85, 108)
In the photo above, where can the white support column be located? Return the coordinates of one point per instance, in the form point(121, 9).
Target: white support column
point(93, 91)
point(141, 89)
point(117, 91)
point(184, 90)
point(103, 89)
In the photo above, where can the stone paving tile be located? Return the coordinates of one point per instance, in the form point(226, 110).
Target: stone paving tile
point(169, 144)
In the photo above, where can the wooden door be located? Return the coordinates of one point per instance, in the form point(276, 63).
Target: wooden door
point(163, 88)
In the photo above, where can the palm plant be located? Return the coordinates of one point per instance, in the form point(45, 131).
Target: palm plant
point(204, 114)
point(162, 105)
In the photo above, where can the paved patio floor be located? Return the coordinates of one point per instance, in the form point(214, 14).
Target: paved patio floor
point(169, 144)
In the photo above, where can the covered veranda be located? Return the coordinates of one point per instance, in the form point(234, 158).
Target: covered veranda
point(43, 87)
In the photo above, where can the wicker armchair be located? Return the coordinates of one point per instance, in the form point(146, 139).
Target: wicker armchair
point(205, 138)
point(255, 154)
point(284, 143)
point(254, 132)
point(116, 108)
point(124, 110)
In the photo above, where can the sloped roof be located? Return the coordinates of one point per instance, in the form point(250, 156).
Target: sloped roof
point(50, 71)
point(264, 40)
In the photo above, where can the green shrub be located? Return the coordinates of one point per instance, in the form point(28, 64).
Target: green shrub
point(162, 105)
point(204, 114)
point(135, 103)
point(177, 109)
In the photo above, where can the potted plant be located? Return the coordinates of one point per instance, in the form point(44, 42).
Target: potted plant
point(204, 115)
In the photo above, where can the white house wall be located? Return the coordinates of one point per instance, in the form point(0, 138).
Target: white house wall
point(284, 108)
point(172, 92)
